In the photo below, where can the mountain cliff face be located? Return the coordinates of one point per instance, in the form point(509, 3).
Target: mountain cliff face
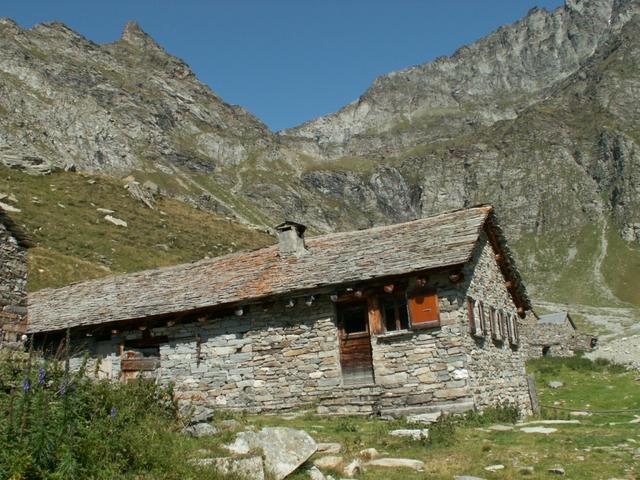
point(539, 118)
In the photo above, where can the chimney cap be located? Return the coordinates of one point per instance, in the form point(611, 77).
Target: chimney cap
point(288, 225)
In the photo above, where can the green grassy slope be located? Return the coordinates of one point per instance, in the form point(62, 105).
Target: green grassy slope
point(75, 242)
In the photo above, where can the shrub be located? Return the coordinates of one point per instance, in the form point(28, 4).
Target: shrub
point(55, 424)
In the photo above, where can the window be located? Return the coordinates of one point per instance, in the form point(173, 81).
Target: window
point(354, 318)
point(476, 317)
point(394, 313)
point(424, 310)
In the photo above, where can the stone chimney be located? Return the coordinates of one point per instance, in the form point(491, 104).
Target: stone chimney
point(291, 239)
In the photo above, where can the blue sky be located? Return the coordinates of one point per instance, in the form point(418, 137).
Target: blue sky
point(288, 61)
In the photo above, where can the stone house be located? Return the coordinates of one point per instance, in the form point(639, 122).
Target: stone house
point(408, 318)
point(13, 280)
point(554, 335)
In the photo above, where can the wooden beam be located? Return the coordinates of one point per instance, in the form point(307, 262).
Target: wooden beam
point(375, 316)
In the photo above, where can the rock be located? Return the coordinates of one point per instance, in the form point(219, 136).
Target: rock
point(466, 477)
point(494, 468)
point(397, 463)
point(369, 453)
point(201, 430)
point(140, 194)
point(555, 384)
point(250, 468)
point(353, 469)
point(556, 470)
point(115, 221)
point(9, 208)
point(329, 448)
point(151, 187)
point(330, 462)
point(580, 414)
point(545, 430)
point(414, 434)
point(528, 470)
point(230, 424)
point(284, 449)
point(105, 211)
point(550, 422)
point(501, 428)
point(426, 418)
point(315, 474)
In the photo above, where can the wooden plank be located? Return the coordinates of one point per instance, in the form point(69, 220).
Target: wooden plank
point(139, 364)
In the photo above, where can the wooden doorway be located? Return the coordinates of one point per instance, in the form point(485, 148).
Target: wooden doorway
point(355, 343)
point(140, 358)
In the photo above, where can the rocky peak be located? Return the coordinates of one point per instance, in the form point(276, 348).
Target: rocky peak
point(136, 36)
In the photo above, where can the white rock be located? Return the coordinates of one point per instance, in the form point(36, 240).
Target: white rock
point(105, 211)
point(9, 208)
point(329, 448)
point(284, 449)
point(250, 467)
point(315, 474)
point(397, 463)
point(330, 462)
point(501, 428)
point(580, 414)
point(494, 468)
point(115, 221)
point(425, 418)
point(545, 430)
point(353, 469)
point(556, 470)
point(460, 374)
point(466, 477)
point(555, 384)
point(201, 430)
point(415, 434)
point(369, 453)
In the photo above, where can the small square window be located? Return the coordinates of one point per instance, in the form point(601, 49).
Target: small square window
point(395, 313)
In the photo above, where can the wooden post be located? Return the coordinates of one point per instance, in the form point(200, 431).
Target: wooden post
point(533, 394)
point(375, 316)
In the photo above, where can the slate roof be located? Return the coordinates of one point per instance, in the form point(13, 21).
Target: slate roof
point(336, 259)
point(557, 318)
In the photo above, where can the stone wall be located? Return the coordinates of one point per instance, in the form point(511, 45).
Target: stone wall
point(13, 285)
point(546, 339)
point(496, 369)
point(276, 358)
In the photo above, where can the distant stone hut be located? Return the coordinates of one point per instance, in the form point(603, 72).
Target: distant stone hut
point(13, 280)
point(415, 317)
point(554, 335)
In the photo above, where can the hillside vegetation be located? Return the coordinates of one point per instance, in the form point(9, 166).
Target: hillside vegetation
point(75, 242)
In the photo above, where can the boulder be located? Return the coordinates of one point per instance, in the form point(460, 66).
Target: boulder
point(331, 448)
point(315, 474)
point(284, 449)
point(397, 463)
point(369, 453)
point(201, 430)
point(555, 384)
point(414, 434)
point(330, 462)
point(250, 467)
point(353, 469)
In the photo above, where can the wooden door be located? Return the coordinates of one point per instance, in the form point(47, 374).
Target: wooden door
point(355, 343)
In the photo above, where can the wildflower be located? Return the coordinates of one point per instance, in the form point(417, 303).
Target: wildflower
point(42, 376)
point(26, 385)
point(114, 412)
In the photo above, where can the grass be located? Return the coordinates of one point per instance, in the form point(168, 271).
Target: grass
point(600, 446)
point(75, 242)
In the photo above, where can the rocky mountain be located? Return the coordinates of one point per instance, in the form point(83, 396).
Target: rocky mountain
point(540, 118)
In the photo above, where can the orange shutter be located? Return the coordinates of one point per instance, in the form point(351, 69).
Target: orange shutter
point(424, 310)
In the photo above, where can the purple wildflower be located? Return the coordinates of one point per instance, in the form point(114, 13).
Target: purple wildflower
point(42, 376)
point(26, 385)
point(114, 412)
